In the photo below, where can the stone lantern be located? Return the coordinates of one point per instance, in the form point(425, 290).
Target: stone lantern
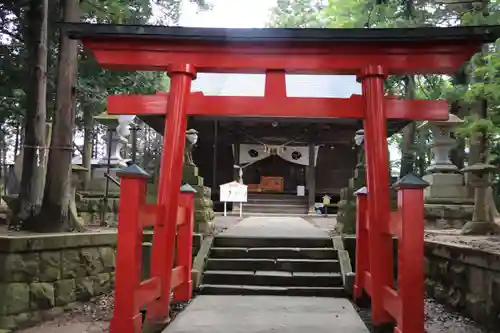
point(446, 182)
point(482, 221)
point(442, 144)
point(117, 138)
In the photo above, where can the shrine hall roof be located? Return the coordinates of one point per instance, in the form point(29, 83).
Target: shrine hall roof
point(484, 34)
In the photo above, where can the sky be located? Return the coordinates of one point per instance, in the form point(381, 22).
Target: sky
point(228, 14)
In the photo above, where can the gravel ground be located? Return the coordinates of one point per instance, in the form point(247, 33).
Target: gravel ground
point(438, 319)
point(452, 236)
point(91, 317)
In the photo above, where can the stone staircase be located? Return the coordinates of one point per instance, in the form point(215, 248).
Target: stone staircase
point(272, 266)
point(274, 204)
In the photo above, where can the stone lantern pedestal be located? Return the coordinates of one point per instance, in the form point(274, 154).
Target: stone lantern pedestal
point(482, 222)
point(447, 203)
point(446, 181)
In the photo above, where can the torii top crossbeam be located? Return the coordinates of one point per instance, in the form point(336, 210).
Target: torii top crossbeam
point(324, 51)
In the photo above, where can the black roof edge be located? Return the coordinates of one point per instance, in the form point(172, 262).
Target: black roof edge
point(484, 34)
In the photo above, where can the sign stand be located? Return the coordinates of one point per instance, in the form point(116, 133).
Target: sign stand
point(233, 192)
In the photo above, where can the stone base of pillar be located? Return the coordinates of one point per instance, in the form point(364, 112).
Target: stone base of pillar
point(203, 206)
point(445, 186)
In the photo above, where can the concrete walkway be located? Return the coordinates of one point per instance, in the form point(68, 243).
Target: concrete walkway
point(275, 227)
point(263, 314)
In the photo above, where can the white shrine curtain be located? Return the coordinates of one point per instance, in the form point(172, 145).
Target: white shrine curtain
point(250, 153)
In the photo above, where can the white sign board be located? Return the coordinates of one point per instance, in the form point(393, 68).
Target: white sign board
point(233, 192)
point(301, 190)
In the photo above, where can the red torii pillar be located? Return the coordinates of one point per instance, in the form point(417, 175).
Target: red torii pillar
point(162, 257)
point(372, 81)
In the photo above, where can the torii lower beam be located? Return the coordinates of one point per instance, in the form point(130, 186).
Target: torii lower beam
point(353, 107)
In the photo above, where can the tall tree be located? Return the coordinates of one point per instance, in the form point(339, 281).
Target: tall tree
point(409, 132)
point(55, 206)
point(34, 143)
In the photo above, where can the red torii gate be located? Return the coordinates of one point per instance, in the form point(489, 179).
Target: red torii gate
point(372, 54)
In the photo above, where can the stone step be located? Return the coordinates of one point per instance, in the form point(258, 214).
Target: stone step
point(228, 241)
point(208, 289)
point(257, 208)
point(278, 201)
point(273, 253)
point(288, 265)
point(271, 195)
point(282, 205)
point(273, 278)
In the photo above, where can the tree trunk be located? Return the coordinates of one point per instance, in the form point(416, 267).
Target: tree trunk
point(56, 199)
point(3, 153)
point(88, 143)
point(16, 141)
point(34, 152)
point(95, 142)
point(457, 154)
point(409, 132)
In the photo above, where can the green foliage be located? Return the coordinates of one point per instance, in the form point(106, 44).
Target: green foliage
point(297, 14)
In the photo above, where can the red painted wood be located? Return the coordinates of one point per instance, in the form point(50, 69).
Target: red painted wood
point(162, 257)
point(177, 277)
point(392, 303)
point(352, 107)
point(148, 214)
point(275, 84)
point(377, 158)
point(395, 224)
point(184, 291)
point(400, 58)
point(127, 317)
point(148, 291)
point(362, 249)
point(181, 216)
point(411, 260)
point(368, 282)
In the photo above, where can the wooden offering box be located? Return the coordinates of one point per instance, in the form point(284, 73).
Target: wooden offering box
point(274, 184)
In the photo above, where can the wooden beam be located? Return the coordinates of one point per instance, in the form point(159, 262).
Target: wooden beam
point(348, 58)
point(352, 107)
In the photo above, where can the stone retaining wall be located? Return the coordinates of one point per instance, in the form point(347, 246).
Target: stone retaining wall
point(41, 275)
point(465, 278)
